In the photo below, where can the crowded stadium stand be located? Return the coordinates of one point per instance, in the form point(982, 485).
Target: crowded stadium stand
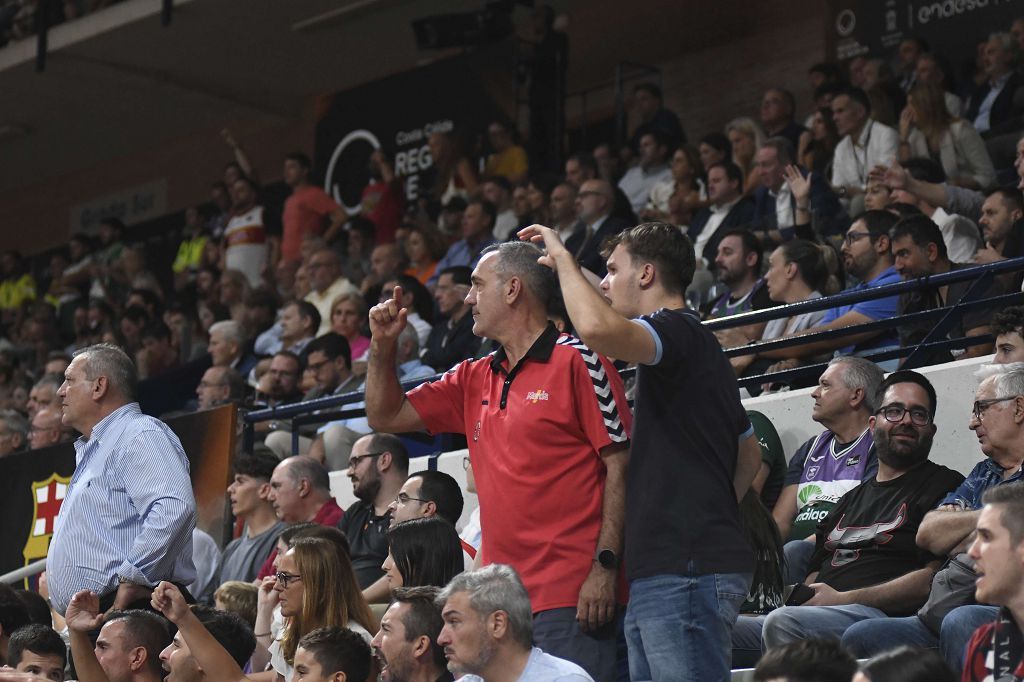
point(510, 340)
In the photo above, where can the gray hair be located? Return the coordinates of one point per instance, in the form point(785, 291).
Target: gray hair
point(862, 374)
point(15, 423)
point(519, 259)
point(231, 330)
point(1011, 380)
point(411, 337)
point(110, 361)
point(496, 588)
point(303, 467)
point(783, 149)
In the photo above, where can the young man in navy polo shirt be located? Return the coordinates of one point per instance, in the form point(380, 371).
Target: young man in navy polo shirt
point(548, 426)
point(693, 455)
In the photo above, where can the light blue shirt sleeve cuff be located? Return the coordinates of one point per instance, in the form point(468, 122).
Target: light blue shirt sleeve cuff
point(658, 347)
point(748, 433)
point(130, 572)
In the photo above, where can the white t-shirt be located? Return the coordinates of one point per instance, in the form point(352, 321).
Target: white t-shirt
point(544, 667)
point(245, 241)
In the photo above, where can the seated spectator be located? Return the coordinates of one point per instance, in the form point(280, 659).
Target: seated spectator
point(994, 107)
point(248, 494)
point(538, 190)
point(128, 647)
point(867, 256)
point(652, 169)
point(450, 221)
point(13, 432)
point(812, 660)
point(562, 213)
point(865, 144)
point(498, 191)
point(406, 644)
point(477, 234)
point(746, 137)
point(237, 597)
point(44, 393)
point(234, 289)
point(595, 203)
point(472, 600)
point(219, 386)
point(960, 234)
point(38, 650)
point(919, 250)
point(245, 238)
point(280, 384)
point(906, 664)
point(156, 355)
point(451, 340)
point(186, 657)
point(300, 323)
point(331, 361)
point(13, 616)
point(582, 167)
point(931, 70)
point(1008, 327)
point(674, 199)
point(714, 148)
point(653, 117)
point(778, 111)
point(817, 154)
point(17, 286)
point(416, 300)
point(1002, 233)
point(423, 249)
point(884, 94)
point(738, 266)
point(993, 652)
point(378, 466)
point(423, 495)
point(766, 591)
point(422, 551)
point(796, 272)
point(348, 312)
point(189, 257)
point(948, 530)
point(47, 429)
point(866, 562)
point(228, 347)
point(777, 209)
point(325, 653)
point(507, 159)
point(844, 401)
point(328, 282)
point(729, 209)
point(928, 130)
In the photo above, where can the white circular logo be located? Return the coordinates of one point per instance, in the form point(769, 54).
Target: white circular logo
point(329, 184)
point(846, 21)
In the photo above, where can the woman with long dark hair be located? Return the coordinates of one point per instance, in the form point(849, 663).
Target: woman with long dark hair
point(423, 552)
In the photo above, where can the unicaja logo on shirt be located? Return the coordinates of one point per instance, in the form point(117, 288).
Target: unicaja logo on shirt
point(808, 493)
point(535, 396)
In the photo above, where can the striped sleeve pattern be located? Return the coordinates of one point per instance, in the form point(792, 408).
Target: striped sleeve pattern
point(602, 383)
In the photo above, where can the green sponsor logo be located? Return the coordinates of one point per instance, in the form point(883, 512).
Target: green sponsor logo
point(807, 492)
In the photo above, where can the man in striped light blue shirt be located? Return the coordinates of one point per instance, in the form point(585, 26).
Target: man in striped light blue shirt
point(127, 518)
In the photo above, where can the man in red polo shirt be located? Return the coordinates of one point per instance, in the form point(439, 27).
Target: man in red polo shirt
point(548, 427)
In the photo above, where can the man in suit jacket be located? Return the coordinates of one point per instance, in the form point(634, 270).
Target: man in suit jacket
point(994, 107)
point(594, 204)
point(729, 209)
point(775, 209)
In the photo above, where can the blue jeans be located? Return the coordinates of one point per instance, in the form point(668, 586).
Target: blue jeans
point(793, 623)
point(957, 628)
point(798, 555)
point(679, 627)
point(557, 632)
point(746, 641)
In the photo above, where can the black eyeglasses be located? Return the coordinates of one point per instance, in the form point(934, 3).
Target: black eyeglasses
point(402, 498)
point(354, 460)
point(851, 237)
point(284, 578)
point(895, 413)
point(978, 410)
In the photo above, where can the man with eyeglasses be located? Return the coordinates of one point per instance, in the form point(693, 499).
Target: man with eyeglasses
point(866, 562)
point(377, 466)
point(997, 418)
point(47, 429)
point(867, 257)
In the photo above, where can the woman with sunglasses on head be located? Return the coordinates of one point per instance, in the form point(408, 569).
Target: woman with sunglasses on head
point(423, 552)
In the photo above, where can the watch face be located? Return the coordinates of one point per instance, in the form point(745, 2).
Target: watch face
point(607, 558)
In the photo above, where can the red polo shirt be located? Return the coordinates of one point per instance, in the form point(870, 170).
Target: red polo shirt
point(535, 434)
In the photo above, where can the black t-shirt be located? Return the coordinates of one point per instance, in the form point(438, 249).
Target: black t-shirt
point(367, 536)
point(681, 511)
point(869, 538)
point(448, 346)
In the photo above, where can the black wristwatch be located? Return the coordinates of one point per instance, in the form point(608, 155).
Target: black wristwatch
point(607, 558)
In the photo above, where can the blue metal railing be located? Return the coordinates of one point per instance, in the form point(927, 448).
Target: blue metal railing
point(325, 409)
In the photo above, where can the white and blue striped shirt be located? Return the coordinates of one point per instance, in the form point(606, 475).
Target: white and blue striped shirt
point(128, 512)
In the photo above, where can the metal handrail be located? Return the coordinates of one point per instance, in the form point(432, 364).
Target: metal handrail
point(18, 574)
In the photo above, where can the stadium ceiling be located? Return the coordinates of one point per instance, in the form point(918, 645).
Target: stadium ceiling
point(117, 81)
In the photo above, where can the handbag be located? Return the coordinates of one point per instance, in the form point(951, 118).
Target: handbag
point(952, 586)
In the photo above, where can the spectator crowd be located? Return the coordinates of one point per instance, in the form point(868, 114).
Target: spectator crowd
point(654, 530)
